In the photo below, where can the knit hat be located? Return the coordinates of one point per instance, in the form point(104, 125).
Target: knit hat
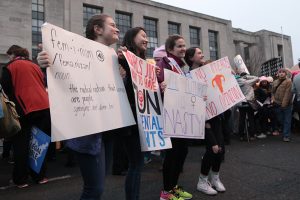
point(263, 78)
point(159, 52)
point(294, 73)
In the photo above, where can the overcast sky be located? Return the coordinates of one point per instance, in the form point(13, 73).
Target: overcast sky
point(252, 15)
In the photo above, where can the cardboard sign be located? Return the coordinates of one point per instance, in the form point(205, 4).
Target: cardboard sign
point(38, 147)
point(184, 107)
point(148, 104)
point(85, 88)
point(223, 89)
point(240, 65)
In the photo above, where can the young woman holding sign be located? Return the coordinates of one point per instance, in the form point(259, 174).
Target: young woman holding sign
point(89, 149)
point(175, 157)
point(214, 140)
point(135, 40)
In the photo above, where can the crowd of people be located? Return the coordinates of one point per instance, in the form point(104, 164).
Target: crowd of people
point(268, 107)
point(24, 82)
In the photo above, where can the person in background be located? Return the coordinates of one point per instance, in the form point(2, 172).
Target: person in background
point(282, 100)
point(214, 140)
point(159, 53)
point(264, 112)
point(246, 83)
point(296, 92)
point(23, 81)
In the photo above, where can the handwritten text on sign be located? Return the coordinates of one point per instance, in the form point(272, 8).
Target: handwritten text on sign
point(85, 88)
point(148, 104)
point(223, 90)
point(184, 107)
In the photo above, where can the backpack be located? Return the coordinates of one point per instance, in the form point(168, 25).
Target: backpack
point(9, 118)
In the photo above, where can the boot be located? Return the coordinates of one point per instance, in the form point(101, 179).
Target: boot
point(205, 186)
point(215, 182)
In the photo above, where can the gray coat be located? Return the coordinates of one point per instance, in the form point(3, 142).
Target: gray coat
point(296, 86)
point(246, 84)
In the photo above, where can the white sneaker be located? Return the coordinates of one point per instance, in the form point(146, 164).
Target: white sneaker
point(205, 186)
point(216, 182)
point(261, 136)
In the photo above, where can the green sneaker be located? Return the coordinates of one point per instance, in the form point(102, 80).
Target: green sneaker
point(164, 195)
point(181, 193)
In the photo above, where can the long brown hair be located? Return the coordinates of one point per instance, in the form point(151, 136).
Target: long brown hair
point(98, 20)
point(171, 42)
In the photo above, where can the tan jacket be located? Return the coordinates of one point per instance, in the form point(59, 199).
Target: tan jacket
point(283, 94)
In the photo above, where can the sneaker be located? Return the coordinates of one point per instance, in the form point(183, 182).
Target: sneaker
point(252, 138)
point(216, 182)
point(286, 139)
point(147, 160)
point(156, 153)
point(43, 181)
point(25, 185)
point(179, 192)
point(275, 133)
point(261, 136)
point(164, 195)
point(205, 186)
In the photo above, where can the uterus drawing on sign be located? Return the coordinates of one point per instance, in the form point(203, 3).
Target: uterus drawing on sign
point(219, 82)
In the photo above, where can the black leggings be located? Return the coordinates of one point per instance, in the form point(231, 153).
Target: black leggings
point(212, 160)
point(40, 119)
point(174, 162)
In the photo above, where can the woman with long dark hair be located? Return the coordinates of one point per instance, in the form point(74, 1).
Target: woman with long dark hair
point(135, 40)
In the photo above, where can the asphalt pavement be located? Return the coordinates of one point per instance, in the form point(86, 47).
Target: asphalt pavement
point(266, 169)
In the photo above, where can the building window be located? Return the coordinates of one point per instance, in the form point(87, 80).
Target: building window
point(280, 50)
point(123, 22)
point(173, 28)
point(195, 36)
point(38, 18)
point(150, 26)
point(213, 45)
point(88, 12)
point(247, 55)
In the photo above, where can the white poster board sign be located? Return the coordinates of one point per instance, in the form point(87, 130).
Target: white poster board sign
point(148, 104)
point(240, 65)
point(223, 89)
point(184, 107)
point(86, 91)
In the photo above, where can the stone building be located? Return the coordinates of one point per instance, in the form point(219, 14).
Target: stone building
point(21, 20)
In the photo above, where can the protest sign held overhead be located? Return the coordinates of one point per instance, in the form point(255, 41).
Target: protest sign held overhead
point(148, 104)
point(240, 65)
point(85, 88)
point(223, 90)
point(184, 107)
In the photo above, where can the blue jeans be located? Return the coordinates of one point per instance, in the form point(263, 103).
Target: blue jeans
point(284, 116)
point(135, 164)
point(92, 169)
